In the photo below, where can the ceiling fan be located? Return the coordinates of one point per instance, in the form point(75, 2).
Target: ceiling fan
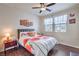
point(43, 6)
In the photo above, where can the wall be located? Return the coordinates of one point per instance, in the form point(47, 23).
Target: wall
point(71, 37)
point(10, 18)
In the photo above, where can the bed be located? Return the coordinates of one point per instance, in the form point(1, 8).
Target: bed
point(38, 45)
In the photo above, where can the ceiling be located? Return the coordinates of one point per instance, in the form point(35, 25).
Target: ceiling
point(28, 7)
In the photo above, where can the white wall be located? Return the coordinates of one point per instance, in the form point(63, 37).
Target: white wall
point(71, 37)
point(10, 19)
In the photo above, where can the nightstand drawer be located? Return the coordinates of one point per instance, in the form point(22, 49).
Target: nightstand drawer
point(10, 44)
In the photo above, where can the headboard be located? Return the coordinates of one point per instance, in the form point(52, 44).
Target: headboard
point(23, 30)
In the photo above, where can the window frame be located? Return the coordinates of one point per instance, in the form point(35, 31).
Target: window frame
point(61, 23)
point(53, 23)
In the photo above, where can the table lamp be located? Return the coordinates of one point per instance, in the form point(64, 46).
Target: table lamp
point(6, 37)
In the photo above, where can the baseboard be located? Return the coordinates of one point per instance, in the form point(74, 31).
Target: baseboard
point(69, 46)
point(74, 46)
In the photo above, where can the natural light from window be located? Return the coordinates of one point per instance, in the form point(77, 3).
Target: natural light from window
point(56, 24)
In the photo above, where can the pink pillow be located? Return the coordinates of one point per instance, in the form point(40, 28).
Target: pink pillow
point(34, 38)
point(39, 35)
point(45, 37)
point(28, 34)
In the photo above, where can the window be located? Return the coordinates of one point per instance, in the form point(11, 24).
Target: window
point(48, 22)
point(60, 23)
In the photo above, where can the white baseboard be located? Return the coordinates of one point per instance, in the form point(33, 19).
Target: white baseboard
point(69, 45)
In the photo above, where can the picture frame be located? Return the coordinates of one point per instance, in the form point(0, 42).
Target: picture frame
point(72, 21)
point(25, 22)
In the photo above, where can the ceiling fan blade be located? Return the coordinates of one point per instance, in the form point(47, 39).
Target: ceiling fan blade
point(36, 7)
point(40, 11)
point(50, 4)
point(48, 9)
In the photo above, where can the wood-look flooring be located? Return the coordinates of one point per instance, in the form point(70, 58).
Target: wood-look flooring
point(63, 50)
point(59, 50)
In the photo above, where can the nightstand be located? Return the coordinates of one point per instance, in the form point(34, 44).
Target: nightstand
point(10, 45)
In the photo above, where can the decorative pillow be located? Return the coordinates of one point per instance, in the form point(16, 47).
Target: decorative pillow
point(32, 34)
point(24, 35)
point(39, 35)
point(44, 37)
point(27, 34)
point(35, 38)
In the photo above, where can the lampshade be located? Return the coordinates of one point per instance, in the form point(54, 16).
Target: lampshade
point(7, 34)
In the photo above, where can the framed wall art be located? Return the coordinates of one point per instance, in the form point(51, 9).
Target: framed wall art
point(25, 22)
point(72, 21)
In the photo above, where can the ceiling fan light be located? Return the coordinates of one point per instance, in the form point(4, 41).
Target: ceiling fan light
point(43, 8)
